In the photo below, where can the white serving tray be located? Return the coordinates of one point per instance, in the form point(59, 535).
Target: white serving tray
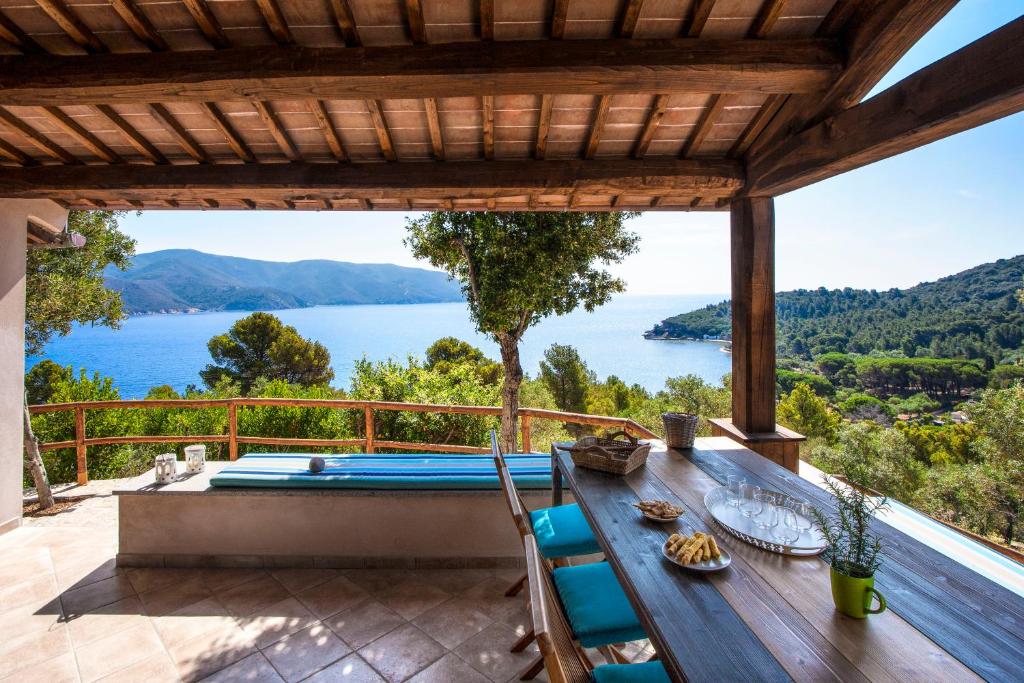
point(809, 543)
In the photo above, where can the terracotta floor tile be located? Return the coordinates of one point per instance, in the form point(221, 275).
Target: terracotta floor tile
point(452, 622)
point(364, 623)
point(207, 654)
point(454, 581)
point(29, 619)
point(489, 597)
point(303, 653)
point(351, 669)
point(402, 653)
point(332, 597)
point(175, 596)
point(253, 669)
point(192, 621)
point(82, 574)
point(62, 669)
point(219, 580)
point(105, 621)
point(413, 597)
point(273, 622)
point(297, 579)
point(375, 581)
point(245, 599)
point(449, 669)
point(156, 668)
point(24, 651)
point(34, 590)
point(487, 652)
point(117, 651)
point(145, 579)
point(104, 592)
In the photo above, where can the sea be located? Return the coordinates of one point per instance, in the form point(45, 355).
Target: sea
point(151, 350)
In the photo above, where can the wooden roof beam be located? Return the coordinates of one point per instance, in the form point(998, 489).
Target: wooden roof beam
point(12, 153)
point(12, 33)
point(558, 17)
point(630, 17)
point(71, 24)
point(277, 130)
point(698, 18)
point(80, 134)
point(977, 84)
point(182, 136)
point(134, 137)
point(487, 19)
point(346, 23)
point(417, 25)
point(323, 119)
point(597, 126)
point(37, 139)
point(235, 141)
point(208, 23)
point(140, 25)
point(766, 18)
point(704, 125)
point(543, 127)
point(591, 67)
point(654, 117)
point(488, 126)
point(380, 126)
point(434, 126)
point(276, 22)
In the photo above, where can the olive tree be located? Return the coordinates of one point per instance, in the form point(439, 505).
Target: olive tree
point(518, 268)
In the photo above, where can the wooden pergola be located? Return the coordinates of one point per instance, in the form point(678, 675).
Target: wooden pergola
point(486, 105)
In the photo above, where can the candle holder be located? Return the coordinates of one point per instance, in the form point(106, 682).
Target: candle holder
point(195, 459)
point(166, 468)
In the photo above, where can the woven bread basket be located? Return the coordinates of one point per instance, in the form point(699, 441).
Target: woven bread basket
point(680, 429)
point(609, 454)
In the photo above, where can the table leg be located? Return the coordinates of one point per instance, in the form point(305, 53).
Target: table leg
point(556, 480)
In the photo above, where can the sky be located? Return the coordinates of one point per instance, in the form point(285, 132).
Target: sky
point(931, 212)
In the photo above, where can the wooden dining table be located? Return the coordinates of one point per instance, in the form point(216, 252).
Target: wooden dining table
point(770, 617)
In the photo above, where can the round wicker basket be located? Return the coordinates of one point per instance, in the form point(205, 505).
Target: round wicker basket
point(680, 429)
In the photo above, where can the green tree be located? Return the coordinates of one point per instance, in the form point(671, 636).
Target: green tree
point(261, 346)
point(566, 376)
point(689, 394)
point(999, 415)
point(448, 352)
point(809, 414)
point(881, 459)
point(41, 380)
point(518, 268)
point(786, 380)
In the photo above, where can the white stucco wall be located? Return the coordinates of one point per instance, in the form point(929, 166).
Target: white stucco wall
point(14, 214)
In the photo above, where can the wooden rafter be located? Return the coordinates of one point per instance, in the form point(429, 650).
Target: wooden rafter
point(208, 23)
point(654, 117)
point(12, 33)
point(698, 18)
point(234, 140)
point(766, 18)
point(597, 126)
point(346, 23)
point(276, 22)
point(543, 127)
point(630, 17)
point(836, 18)
point(558, 17)
point(434, 126)
point(139, 24)
point(182, 136)
point(37, 139)
point(761, 118)
point(270, 119)
point(487, 19)
point(380, 126)
point(134, 137)
point(323, 119)
point(591, 67)
point(976, 84)
point(81, 135)
point(417, 26)
point(704, 125)
point(72, 25)
point(488, 126)
point(9, 151)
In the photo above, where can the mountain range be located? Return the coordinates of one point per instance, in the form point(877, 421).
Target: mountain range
point(184, 280)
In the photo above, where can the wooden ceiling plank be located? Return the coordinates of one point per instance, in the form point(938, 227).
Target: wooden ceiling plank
point(277, 130)
point(707, 120)
point(543, 127)
point(414, 17)
point(276, 22)
point(134, 137)
point(434, 125)
point(364, 205)
point(487, 19)
point(249, 204)
point(630, 17)
point(977, 84)
point(37, 139)
point(698, 18)
point(380, 126)
point(488, 126)
point(139, 24)
point(71, 24)
point(234, 140)
point(182, 136)
point(80, 134)
point(208, 23)
point(597, 126)
point(11, 152)
point(346, 23)
point(323, 119)
point(836, 18)
point(770, 12)
point(12, 33)
point(757, 124)
point(654, 117)
point(558, 17)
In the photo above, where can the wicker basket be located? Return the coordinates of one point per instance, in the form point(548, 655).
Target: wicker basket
point(609, 454)
point(680, 429)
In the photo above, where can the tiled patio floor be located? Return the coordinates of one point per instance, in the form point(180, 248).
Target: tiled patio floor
point(68, 614)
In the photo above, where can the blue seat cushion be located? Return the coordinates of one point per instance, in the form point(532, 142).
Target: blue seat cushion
point(598, 610)
point(563, 532)
point(648, 672)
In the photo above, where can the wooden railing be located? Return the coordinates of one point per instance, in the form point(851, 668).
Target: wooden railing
point(369, 442)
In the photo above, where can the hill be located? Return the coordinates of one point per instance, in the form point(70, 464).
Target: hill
point(177, 280)
point(973, 314)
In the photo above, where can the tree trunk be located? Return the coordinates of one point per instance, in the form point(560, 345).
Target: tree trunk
point(510, 390)
point(34, 463)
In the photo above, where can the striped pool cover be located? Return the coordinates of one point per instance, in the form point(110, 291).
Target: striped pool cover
point(392, 471)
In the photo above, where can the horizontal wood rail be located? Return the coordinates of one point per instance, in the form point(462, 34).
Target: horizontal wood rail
point(369, 442)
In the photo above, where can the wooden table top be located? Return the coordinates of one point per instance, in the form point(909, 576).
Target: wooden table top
point(770, 617)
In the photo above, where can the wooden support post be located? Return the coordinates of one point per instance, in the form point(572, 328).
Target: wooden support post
point(368, 414)
point(232, 431)
point(524, 426)
point(80, 448)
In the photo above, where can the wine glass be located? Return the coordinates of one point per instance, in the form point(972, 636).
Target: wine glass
point(803, 515)
point(787, 532)
point(749, 503)
point(768, 517)
point(732, 490)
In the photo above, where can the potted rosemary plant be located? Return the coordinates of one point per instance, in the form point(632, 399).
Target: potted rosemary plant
point(854, 553)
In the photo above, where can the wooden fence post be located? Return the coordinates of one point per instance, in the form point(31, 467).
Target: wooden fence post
point(80, 452)
point(368, 414)
point(232, 431)
point(524, 425)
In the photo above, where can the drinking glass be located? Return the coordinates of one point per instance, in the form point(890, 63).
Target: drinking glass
point(787, 532)
point(803, 518)
point(732, 490)
point(749, 503)
point(768, 517)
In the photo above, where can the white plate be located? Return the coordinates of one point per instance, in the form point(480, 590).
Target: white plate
point(712, 565)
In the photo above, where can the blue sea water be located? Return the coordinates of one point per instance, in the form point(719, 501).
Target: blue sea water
point(171, 349)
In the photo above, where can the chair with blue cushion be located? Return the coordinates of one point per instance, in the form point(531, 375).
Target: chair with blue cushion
point(563, 605)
